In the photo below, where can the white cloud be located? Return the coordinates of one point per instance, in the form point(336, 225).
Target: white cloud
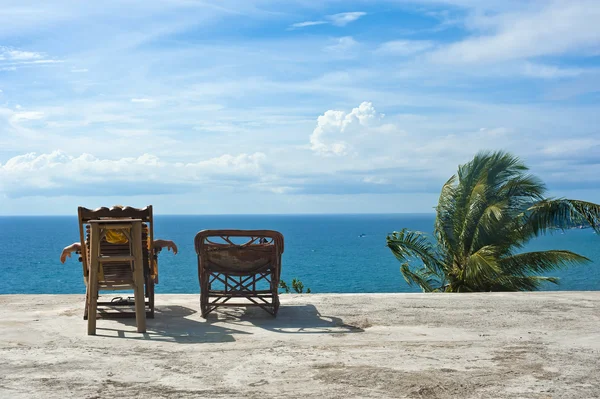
point(33, 174)
point(495, 132)
point(44, 62)
point(217, 126)
point(535, 70)
point(281, 189)
point(12, 59)
point(375, 180)
point(307, 23)
point(334, 128)
point(342, 45)
point(341, 19)
point(344, 18)
point(561, 27)
point(130, 132)
point(18, 55)
point(405, 47)
point(569, 146)
point(141, 100)
point(79, 70)
point(27, 116)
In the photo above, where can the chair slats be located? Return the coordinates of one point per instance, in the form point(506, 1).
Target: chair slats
point(116, 258)
point(145, 214)
point(239, 261)
point(118, 274)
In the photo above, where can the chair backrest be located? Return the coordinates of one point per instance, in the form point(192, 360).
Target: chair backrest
point(239, 250)
point(84, 215)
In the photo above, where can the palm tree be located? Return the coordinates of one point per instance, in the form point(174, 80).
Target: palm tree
point(486, 213)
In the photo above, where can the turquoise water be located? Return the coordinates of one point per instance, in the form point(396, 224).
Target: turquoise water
point(324, 251)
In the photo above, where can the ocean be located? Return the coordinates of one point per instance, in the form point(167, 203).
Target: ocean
point(328, 253)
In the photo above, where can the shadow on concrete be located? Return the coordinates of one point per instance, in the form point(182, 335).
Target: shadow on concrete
point(291, 319)
point(171, 324)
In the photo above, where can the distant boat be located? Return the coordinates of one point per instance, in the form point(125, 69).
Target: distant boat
point(362, 235)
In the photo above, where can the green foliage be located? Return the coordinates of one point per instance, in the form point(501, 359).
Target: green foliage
point(297, 286)
point(487, 212)
point(283, 285)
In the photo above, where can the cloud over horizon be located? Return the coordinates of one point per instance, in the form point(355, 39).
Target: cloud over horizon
point(58, 173)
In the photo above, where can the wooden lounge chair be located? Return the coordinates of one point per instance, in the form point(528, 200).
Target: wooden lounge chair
point(119, 275)
point(239, 264)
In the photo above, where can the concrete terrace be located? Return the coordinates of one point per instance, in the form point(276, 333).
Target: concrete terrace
point(490, 345)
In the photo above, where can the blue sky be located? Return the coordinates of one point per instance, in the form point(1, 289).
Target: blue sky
point(289, 107)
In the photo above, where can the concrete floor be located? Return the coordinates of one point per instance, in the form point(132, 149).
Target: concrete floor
point(489, 345)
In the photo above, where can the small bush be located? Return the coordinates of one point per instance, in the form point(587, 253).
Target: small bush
point(297, 286)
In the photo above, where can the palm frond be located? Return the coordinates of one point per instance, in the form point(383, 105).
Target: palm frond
point(490, 184)
point(502, 167)
point(540, 261)
point(523, 189)
point(557, 213)
point(406, 244)
point(491, 226)
point(588, 211)
point(521, 283)
point(419, 277)
point(445, 212)
point(481, 267)
point(485, 213)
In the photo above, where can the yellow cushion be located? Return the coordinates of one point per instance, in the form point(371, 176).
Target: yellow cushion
point(116, 237)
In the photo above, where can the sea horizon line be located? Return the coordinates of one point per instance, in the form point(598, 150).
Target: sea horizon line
point(74, 214)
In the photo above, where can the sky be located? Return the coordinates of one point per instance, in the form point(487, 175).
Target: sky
point(296, 106)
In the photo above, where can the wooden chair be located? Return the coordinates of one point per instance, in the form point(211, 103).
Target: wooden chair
point(118, 275)
point(239, 264)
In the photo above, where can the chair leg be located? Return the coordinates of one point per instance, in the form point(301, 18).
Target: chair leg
point(238, 286)
point(92, 314)
point(204, 305)
point(275, 292)
point(203, 310)
point(204, 294)
point(138, 277)
point(150, 286)
point(275, 305)
point(87, 301)
point(93, 280)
